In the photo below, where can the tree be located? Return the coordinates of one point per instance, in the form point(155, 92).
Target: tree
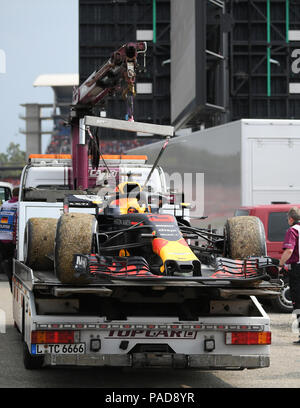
point(14, 156)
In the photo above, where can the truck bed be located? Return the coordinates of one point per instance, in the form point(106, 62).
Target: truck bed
point(41, 280)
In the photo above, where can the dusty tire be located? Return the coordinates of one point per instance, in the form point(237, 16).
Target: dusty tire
point(245, 236)
point(74, 235)
point(39, 243)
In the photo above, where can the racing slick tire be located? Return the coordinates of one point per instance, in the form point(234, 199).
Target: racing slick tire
point(74, 235)
point(245, 236)
point(39, 243)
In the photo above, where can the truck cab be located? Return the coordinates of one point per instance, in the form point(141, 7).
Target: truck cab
point(46, 177)
point(54, 171)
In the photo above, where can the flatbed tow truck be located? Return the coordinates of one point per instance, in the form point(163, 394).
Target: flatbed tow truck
point(113, 280)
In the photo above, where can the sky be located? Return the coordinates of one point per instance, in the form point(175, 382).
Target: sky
point(36, 37)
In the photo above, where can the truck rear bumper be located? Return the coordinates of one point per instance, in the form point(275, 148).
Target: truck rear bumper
point(142, 360)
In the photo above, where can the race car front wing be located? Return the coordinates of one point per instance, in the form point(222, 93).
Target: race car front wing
point(137, 268)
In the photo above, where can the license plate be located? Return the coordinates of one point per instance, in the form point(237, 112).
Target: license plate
point(58, 348)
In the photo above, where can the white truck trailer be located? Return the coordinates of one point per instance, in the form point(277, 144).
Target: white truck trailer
point(246, 162)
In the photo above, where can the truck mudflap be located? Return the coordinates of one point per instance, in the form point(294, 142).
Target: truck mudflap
point(144, 360)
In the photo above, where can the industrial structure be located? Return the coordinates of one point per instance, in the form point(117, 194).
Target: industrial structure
point(103, 27)
point(62, 85)
point(199, 63)
point(263, 64)
point(207, 63)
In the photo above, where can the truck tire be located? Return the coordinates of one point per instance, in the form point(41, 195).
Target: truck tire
point(245, 236)
point(74, 235)
point(283, 302)
point(31, 362)
point(39, 243)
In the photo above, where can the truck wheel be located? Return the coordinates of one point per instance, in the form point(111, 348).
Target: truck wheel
point(74, 235)
point(39, 243)
point(283, 302)
point(245, 236)
point(31, 362)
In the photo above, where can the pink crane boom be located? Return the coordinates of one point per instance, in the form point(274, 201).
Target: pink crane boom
point(117, 74)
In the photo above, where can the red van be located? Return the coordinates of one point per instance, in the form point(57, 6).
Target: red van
point(274, 218)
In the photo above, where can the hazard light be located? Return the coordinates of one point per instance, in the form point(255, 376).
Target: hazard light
point(249, 338)
point(52, 337)
point(125, 157)
point(106, 156)
point(50, 156)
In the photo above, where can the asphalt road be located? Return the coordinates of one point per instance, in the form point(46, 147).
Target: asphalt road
point(284, 371)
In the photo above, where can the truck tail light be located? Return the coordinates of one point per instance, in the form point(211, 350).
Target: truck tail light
point(249, 338)
point(52, 337)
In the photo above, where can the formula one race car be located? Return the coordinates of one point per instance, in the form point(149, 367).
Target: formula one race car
point(129, 238)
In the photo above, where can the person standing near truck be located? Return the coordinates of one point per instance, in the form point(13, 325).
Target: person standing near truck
point(8, 217)
point(290, 257)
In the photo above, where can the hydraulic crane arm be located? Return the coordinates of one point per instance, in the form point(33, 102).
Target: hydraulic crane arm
point(118, 73)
